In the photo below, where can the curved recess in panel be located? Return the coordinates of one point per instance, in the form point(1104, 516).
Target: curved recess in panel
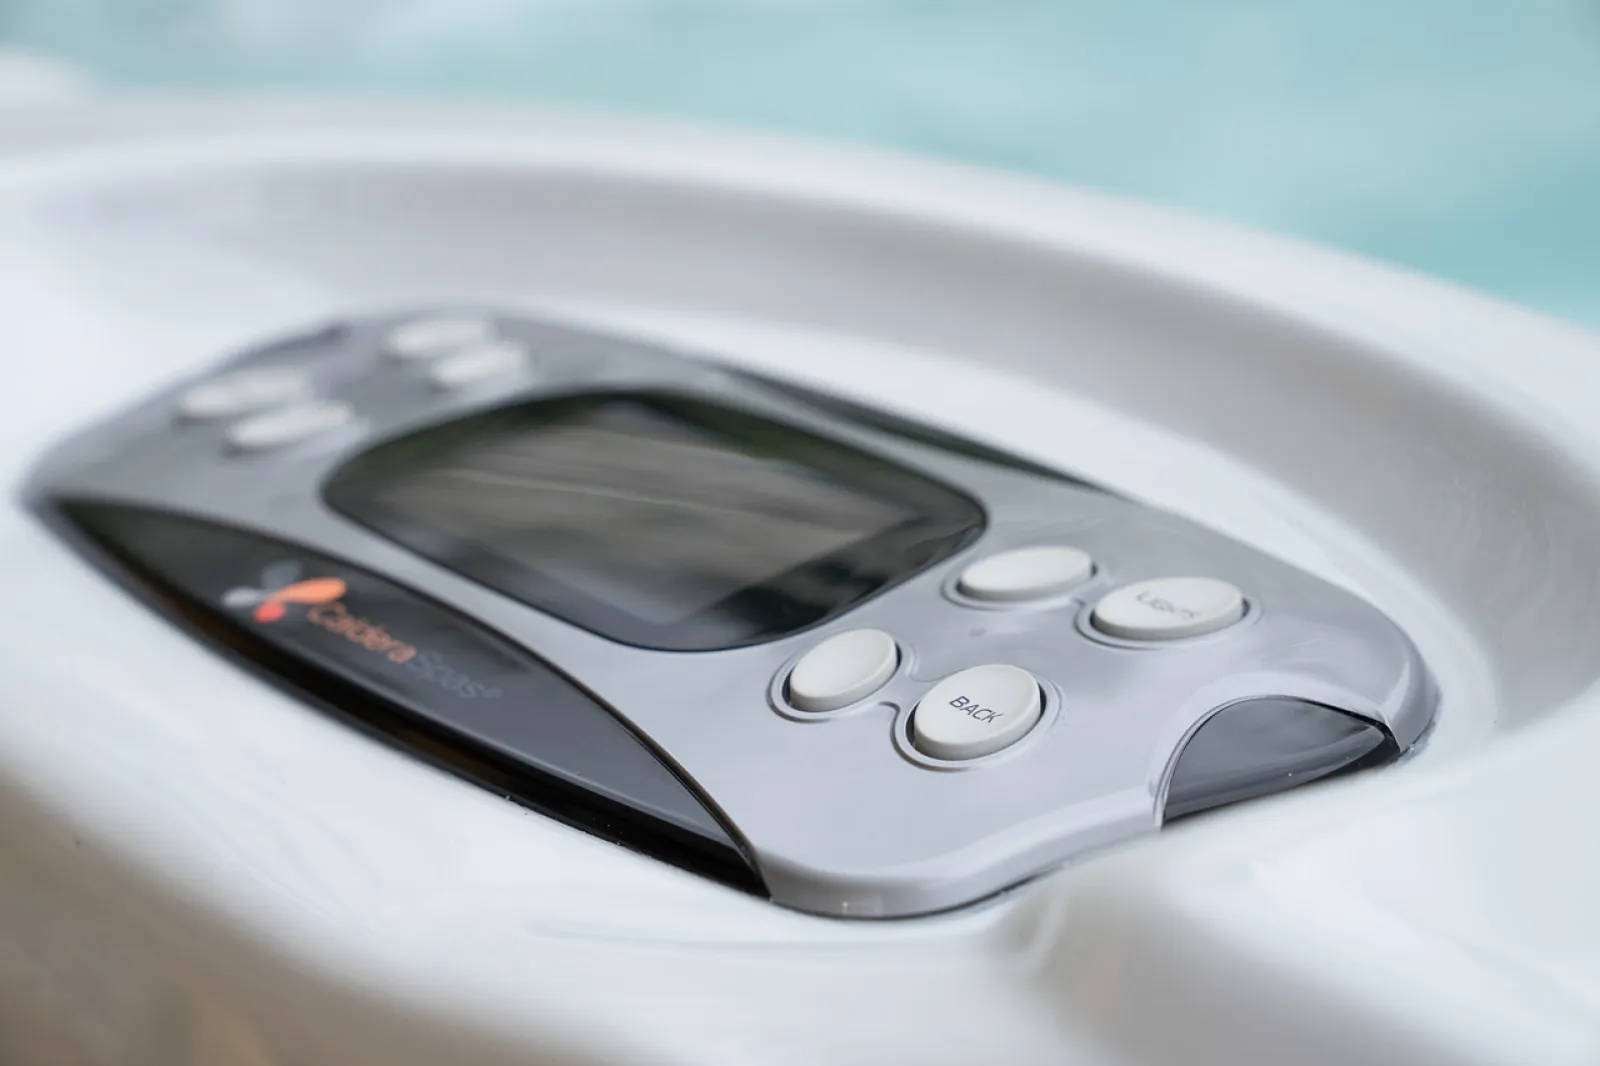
point(1257, 747)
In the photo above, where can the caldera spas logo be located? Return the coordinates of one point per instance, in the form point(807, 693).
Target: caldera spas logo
point(282, 586)
point(281, 589)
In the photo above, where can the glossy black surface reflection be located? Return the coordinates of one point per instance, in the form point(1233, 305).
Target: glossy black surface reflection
point(657, 520)
point(1261, 746)
point(414, 672)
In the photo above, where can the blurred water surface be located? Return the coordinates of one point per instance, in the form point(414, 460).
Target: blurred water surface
point(1459, 137)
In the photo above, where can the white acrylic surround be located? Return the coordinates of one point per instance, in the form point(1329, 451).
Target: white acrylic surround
point(195, 869)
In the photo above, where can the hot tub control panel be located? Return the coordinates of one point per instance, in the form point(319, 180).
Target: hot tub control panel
point(862, 665)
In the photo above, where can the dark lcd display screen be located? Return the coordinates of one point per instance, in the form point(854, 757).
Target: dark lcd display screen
point(638, 509)
point(657, 520)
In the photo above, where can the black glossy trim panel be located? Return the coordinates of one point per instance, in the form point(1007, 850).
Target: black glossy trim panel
point(412, 672)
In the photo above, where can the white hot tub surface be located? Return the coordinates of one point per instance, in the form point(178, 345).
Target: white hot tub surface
point(197, 869)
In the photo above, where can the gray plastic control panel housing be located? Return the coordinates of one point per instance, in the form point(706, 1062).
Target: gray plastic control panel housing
point(835, 812)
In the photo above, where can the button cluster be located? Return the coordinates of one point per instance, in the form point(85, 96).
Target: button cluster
point(461, 350)
point(244, 392)
point(1169, 608)
point(275, 407)
point(1024, 574)
point(975, 712)
point(429, 338)
point(289, 425)
point(843, 669)
point(1165, 608)
point(478, 362)
point(985, 709)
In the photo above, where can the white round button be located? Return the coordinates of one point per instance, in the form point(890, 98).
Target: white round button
point(478, 362)
point(976, 712)
point(1026, 574)
point(843, 669)
point(1169, 608)
point(243, 391)
point(290, 425)
point(428, 338)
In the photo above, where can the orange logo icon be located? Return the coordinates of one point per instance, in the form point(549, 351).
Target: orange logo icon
point(269, 602)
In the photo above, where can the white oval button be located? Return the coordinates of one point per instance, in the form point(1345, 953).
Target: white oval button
point(1169, 608)
point(243, 391)
point(843, 669)
point(291, 425)
point(976, 712)
point(1026, 574)
point(427, 338)
point(478, 362)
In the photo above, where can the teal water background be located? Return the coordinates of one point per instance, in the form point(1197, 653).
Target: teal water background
point(1457, 137)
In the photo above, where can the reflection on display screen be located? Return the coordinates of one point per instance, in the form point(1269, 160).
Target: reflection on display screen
point(635, 507)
